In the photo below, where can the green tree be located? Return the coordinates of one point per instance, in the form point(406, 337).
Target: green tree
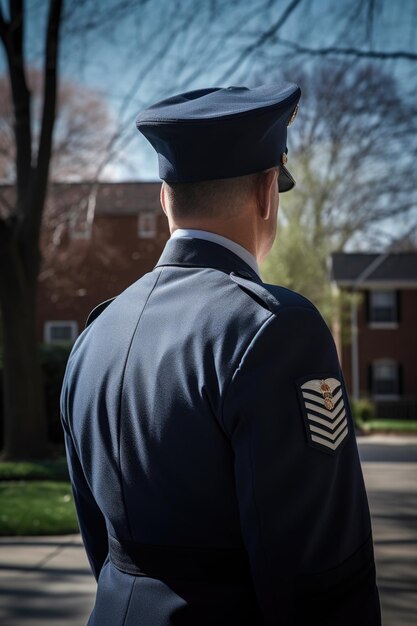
point(297, 263)
point(351, 153)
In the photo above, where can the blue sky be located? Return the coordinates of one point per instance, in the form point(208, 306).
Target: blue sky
point(207, 47)
point(160, 47)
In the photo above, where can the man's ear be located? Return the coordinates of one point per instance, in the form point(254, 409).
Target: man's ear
point(267, 192)
point(162, 198)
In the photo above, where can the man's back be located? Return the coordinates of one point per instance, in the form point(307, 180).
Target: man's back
point(183, 408)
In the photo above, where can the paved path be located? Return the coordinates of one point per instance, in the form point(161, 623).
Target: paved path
point(390, 471)
point(46, 581)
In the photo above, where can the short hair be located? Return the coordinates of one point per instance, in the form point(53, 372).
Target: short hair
point(211, 198)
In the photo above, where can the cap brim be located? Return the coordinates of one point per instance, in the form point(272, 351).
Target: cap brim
point(285, 180)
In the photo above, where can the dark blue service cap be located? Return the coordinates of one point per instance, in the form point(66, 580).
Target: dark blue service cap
point(222, 132)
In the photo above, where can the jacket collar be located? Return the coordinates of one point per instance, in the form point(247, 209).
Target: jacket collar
point(187, 252)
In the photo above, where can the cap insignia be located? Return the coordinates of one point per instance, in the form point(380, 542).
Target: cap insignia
point(293, 116)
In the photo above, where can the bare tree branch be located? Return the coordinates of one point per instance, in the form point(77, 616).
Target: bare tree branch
point(33, 210)
point(353, 52)
point(3, 27)
point(370, 21)
point(261, 40)
point(99, 14)
point(119, 141)
point(13, 45)
point(113, 145)
point(225, 35)
point(78, 139)
point(6, 204)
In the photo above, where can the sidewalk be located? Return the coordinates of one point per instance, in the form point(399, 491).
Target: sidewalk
point(389, 465)
point(45, 581)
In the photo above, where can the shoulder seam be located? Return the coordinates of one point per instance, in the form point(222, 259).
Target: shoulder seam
point(263, 292)
point(258, 290)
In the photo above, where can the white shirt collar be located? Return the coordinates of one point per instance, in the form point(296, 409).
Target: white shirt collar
point(239, 250)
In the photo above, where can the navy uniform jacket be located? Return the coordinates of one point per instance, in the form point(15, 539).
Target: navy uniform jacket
point(212, 454)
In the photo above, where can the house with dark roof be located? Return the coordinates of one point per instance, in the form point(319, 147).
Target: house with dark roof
point(96, 241)
point(378, 339)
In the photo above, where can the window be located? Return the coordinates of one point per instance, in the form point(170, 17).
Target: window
point(80, 230)
point(60, 332)
point(385, 379)
point(80, 226)
point(147, 224)
point(383, 307)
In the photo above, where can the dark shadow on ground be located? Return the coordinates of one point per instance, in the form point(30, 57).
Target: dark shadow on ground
point(47, 570)
point(394, 520)
point(398, 453)
point(40, 606)
point(42, 543)
point(46, 596)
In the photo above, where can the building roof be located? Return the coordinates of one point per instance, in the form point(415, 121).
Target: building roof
point(126, 198)
point(397, 267)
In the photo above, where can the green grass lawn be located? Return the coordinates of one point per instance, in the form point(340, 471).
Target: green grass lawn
point(387, 426)
point(40, 470)
point(36, 508)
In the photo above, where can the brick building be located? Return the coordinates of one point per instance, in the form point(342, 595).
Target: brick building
point(386, 344)
point(97, 241)
point(94, 245)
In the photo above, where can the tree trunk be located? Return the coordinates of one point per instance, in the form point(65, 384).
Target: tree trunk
point(25, 430)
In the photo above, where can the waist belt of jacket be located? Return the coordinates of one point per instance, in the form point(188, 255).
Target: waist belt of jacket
point(180, 562)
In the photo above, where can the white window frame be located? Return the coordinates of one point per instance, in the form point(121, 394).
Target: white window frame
point(80, 226)
point(51, 324)
point(383, 324)
point(385, 396)
point(79, 229)
point(144, 232)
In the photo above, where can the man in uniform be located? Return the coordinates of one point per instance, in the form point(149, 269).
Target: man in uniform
point(208, 431)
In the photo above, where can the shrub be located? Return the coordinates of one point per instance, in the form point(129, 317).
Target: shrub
point(53, 359)
point(363, 410)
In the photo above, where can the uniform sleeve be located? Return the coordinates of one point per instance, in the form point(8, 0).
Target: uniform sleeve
point(90, 518)
point(303, 506)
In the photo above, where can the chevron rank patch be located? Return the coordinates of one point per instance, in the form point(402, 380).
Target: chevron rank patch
point(324, 413)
